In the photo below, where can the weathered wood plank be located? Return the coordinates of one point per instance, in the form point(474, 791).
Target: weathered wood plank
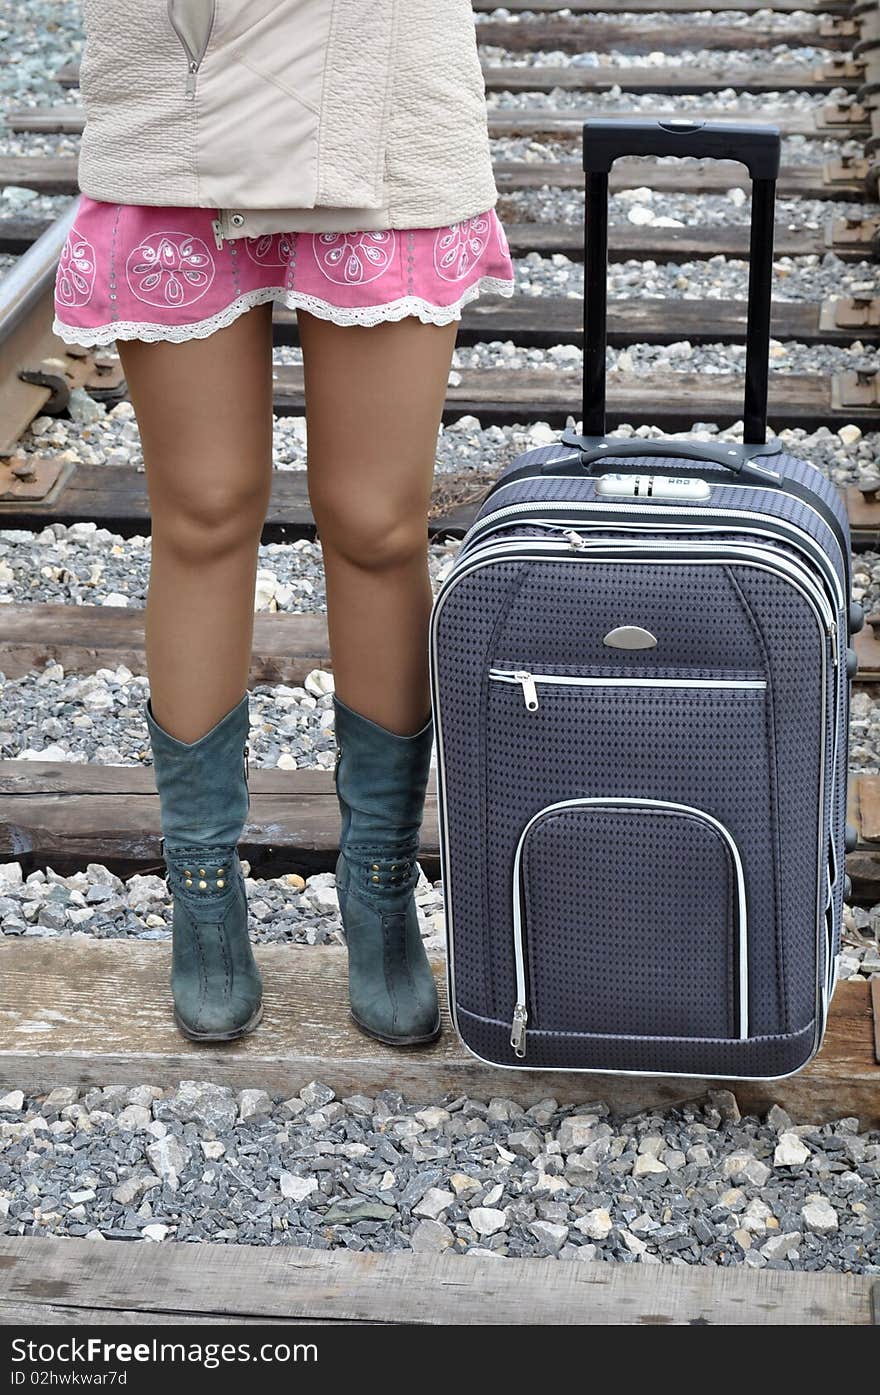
point(867, 645)
point(97, 1011)
point(672, 7)
point(69, 118)
point(795, 181)
point(115, 497)
point(863, 511)
point(268, 1282)
point(692, 80)
point(692, 243)
point(65, 815)
point(57, 174)
point(84, 638)
point(817, 124)
point(59, 815)
point(568, 34)
point(287, 645)
point(710, 77)
point(649, 320)
point(501, 396)
point(541, 321)
point(36, 1314)
point(671, 401)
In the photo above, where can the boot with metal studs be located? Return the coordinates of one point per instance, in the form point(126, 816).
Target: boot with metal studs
point(204, 801)
point(381, 779)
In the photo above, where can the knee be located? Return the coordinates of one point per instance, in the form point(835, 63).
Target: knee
point(381, 534)
point(205, 524)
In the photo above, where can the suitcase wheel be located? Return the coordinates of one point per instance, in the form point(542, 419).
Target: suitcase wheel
point(851, 838)
point(856, 617)
point(852, 663)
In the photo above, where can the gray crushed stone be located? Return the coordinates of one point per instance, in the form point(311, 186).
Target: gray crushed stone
point(767, 20)
point(699, 1184)
point(777, 56)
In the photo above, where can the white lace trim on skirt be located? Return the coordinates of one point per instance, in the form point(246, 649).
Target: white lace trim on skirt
point(426, 311)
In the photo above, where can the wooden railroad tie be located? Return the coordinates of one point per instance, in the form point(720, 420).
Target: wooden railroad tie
point(845, 116)
point(850, 239)
point(115, 497)
point(842, 8)
point(507, 396)
point(74, 1282)
point(843, 178)
point(65, 814)
point(574, 35)
point(817, 78)
point(61, 1026)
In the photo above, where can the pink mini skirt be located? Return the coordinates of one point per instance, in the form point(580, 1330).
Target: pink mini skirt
point(138, 271)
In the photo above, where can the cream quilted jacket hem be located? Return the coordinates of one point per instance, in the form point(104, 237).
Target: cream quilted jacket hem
point(310, 115)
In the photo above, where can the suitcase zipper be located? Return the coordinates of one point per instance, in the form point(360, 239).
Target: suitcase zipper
point(800, 539)
point(665, 510)
point(784, 567)
point(529, 682)
point(520, 1012)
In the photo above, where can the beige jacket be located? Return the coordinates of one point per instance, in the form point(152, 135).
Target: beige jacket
point(308, 115)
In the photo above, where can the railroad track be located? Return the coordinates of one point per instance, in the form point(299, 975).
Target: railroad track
point(64, 815)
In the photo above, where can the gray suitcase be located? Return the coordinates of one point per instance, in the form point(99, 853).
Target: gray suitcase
point(640, 679)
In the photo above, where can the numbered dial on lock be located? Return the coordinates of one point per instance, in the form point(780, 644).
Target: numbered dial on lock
point(653, 486)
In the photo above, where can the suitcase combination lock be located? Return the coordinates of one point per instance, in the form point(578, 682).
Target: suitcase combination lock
point(688, 487)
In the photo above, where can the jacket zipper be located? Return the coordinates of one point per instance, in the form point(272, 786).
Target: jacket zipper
point(519, 548)
point(529, 682)
point(521, 1011)
point(194, 61)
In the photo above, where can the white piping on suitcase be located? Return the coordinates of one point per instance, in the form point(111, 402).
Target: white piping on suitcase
point(485, 558)
point(731, 522)
point(520, 1012)
point(666, 508)
point(783, 565)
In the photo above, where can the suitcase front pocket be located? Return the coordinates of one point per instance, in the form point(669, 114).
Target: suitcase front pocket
point(629, 919)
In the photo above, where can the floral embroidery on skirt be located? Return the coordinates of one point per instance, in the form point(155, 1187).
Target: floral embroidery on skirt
point(145, 271)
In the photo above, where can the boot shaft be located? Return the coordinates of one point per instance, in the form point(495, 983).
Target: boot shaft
point(202, 785)
point(381, 779)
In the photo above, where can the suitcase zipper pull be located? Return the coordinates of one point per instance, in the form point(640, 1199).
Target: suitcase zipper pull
point(218, 233)
point(577, 540)
point(530, 692)
point(518, 1031)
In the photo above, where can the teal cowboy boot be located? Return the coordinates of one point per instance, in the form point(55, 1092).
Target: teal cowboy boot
point(204, 800)
point(381, 779)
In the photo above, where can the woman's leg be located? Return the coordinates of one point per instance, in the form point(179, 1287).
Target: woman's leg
point(204, 409)
point(374, 399)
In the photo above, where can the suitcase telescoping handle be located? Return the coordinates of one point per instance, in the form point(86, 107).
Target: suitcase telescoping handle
point(758, 148)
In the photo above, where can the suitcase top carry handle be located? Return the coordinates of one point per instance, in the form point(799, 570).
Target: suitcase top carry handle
point(757, 147)
point(745, 461)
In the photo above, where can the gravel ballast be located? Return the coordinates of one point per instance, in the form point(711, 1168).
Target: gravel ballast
point(696, 1185)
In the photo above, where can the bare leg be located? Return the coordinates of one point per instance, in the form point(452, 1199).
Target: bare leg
point(374, 402)
point(204, 409)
